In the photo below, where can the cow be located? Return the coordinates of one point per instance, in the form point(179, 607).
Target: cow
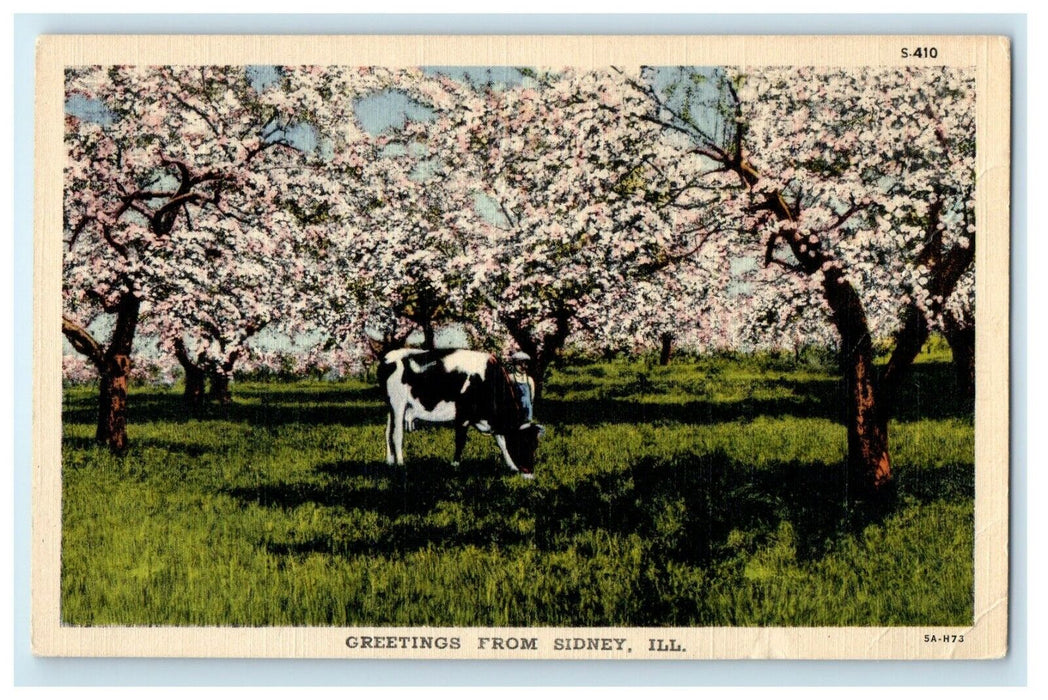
point(462, 387)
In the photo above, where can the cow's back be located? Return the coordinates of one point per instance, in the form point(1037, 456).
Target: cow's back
point(475, 381)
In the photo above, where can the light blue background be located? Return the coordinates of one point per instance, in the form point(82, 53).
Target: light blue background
point(30, 670)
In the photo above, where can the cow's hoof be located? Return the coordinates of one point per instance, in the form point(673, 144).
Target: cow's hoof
point(526, 476)
point(454, 464)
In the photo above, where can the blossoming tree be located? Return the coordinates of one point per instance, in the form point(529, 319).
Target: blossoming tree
point(858, 187)
point(584, 193)
point(414, 242)
point(170, 196)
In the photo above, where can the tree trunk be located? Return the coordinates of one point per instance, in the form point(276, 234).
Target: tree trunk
point(962, 345)
point(221, 377)
point(868, 407)
point(946, 269)
point(866, 413)
point(537, 367)
point(869, 463)
point(112, 403)
point(429, 334)
point(909, 340)
point(220, 390)
point(114, 367)
point(667, 348)
point(424, 310)
point(193, 395)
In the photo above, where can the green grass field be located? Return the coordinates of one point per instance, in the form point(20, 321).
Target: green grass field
point(709, 492)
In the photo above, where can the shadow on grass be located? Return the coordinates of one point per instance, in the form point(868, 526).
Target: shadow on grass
point(292, 394)
point(615, 410)
point(929, 393)
point(74, 443)
point(950, 482)
point(693, 509)
point(281, 406)
point(427, 503)
point(703, 508)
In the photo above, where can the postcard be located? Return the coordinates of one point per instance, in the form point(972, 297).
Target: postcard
point(521, 347)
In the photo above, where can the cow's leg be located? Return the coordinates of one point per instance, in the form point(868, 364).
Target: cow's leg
point(460, 442)
point(397, 425)
point(389, 437)
point(501, 440)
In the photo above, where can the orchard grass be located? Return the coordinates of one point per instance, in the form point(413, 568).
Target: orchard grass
point(708, 492)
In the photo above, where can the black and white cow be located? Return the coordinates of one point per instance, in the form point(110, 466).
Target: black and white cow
point(463, 387)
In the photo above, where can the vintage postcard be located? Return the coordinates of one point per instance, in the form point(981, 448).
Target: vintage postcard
point(489, 347)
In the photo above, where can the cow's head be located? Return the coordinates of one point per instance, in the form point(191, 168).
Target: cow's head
point(522, 444)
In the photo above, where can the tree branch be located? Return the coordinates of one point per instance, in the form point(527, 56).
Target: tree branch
point(786, 265)
point(183, 173)
point(120, 248)
point(83, 342)
point(126, 321)
point(855, 208)
point(78, 229)
point(164, 217)
point(198, 111)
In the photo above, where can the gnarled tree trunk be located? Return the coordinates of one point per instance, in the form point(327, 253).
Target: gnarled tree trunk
point(869, 463)
point(115, 371)
point(867, 409)
point(424, 310)
point(193, 394)
point(114, 368)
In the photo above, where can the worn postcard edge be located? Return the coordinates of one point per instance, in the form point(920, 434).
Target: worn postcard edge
point(986, 638)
